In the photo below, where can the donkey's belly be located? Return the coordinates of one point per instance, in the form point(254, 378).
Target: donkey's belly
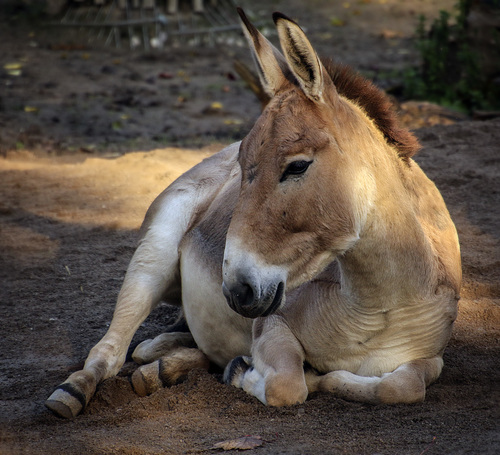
point(219, 332)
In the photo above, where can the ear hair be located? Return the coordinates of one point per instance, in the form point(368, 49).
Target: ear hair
point(300, 56)
point(271, 65)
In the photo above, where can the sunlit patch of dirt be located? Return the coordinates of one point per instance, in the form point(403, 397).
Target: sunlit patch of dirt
point(92, 191)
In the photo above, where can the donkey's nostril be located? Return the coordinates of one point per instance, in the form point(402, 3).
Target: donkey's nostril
point(243, 294)
point(241, 297)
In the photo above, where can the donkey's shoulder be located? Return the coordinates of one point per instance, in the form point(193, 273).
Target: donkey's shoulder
point(198, 186)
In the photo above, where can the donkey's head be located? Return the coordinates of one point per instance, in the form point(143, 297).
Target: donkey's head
point(304, 196)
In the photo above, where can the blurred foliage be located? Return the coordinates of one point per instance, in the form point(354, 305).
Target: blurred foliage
point(452, 73)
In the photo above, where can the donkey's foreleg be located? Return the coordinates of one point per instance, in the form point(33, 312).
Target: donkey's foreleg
point(135, 302)
point(153, 269)
point(406, 384)
point(275, 373)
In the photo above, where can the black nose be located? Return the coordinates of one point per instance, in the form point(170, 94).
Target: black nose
point(241, 294)
point(240, 297)
point(243, 298)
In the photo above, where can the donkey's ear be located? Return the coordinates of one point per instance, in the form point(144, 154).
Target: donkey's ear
point(271, 65)
point(301, 57)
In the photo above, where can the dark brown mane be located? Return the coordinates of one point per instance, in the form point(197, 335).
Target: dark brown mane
point(375, 103)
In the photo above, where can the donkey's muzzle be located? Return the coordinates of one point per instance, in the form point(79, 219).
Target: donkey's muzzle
point(250, 300)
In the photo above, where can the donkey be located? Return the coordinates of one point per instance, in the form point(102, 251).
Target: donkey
point(314, 255)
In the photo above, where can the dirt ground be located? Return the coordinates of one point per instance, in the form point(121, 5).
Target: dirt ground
point(90, 136)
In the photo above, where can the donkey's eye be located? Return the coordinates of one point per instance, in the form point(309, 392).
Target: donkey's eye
point(295, 168)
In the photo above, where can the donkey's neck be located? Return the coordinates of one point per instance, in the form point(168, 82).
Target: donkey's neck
point(389, 263)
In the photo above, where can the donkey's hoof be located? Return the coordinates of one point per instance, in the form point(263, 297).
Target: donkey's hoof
point(66, 402)
point(146, 379)
point(236, 369)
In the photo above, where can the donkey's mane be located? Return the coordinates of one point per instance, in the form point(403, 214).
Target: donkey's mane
point(376, 104)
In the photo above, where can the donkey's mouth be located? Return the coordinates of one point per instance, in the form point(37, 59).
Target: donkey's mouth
point(278, 297)
point(242, 299)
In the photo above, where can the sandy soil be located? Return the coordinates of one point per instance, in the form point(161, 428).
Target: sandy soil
point(71, 201)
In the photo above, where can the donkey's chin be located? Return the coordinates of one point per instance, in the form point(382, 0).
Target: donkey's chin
point(257, 308)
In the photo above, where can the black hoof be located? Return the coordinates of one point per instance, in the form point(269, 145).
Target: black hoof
point(235, 369)
point(66, 401)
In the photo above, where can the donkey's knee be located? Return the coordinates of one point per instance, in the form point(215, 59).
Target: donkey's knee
point(169, 370)
point(403, 387)
point(408, 383)
point(284, 390)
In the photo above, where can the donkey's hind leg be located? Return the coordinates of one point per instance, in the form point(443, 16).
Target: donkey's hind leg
point(406, 384)
point(150, 350)
point(168, 370)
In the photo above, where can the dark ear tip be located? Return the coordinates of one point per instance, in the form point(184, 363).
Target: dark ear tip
point(244, 18)
point(277, 16)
